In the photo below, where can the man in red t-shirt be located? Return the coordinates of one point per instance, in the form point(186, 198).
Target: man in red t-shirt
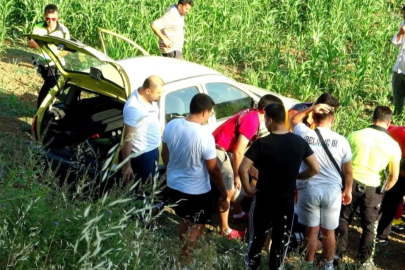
point(394, 197)
point(233, 136)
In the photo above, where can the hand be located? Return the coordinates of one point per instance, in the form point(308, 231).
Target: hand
point(168, 43)
point(223, 205)
point(127, 172)
point(346, 197)
point(322, 108)
point(238, 184)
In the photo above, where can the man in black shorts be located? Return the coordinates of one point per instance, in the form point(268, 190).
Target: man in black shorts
point(278, 158)
point(189, 155)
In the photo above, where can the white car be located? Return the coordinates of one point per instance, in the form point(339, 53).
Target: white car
point(81, 118)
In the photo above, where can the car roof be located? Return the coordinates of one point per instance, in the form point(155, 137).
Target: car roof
point(169, 69)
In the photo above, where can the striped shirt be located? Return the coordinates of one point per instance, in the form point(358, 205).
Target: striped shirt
point(172, 26)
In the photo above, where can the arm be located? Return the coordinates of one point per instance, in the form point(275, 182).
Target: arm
point(216, 176)
point(244, 168)
point(165, 154)
point(311, 170)
point(168, 43)
point(394, 173)
point(398, 37)
point(239, 152)
point(127, 172)
point(33, 44)
point(299, 116)
point(348, 174)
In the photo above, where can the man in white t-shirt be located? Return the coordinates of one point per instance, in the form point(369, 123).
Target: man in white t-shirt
point(320, 197)
point(170, 29)
point(142, 130)
point(188, 152)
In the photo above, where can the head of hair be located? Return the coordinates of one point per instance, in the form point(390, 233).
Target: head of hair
point(267, 99)
point(200, 103)
point(51, 8)
point(330, 100)
point(152, 82)
point(186, 2)
point(276, 112)
point(382, 114)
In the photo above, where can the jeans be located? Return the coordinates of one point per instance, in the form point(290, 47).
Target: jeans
point(50, 75)
point(145, 165)
point(369, 202)
point(398, 87)
point(389, 206)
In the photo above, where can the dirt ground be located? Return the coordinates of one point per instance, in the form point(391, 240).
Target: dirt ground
point(19, 84)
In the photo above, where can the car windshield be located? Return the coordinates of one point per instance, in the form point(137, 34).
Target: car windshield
point(75, 61)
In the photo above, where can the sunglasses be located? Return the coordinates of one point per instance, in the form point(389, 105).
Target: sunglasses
point(50, 19)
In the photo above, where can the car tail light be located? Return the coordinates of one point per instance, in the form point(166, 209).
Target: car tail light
point(34, 127)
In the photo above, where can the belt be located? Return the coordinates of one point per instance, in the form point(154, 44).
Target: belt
point(220, 148)
point(362, 188)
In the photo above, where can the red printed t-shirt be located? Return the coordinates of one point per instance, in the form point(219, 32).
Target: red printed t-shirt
point(398, 134)
point(225, 136)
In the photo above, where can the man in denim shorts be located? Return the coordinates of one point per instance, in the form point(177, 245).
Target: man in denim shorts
point(320, 197)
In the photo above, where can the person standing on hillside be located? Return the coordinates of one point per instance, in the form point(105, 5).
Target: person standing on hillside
point(188, 152)
point(373, 150)
point(320, 197)
point(46, 67)
point(142, 130)
point(233, 136)
point(398, 74)
point(170, 29)
point(278, 158)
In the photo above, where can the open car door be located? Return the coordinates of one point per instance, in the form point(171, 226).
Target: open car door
point(85, 66)
point(119, 47)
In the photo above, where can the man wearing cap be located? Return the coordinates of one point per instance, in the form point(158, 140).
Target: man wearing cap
point(170, 29)
point(46, 67)
point(398, 75)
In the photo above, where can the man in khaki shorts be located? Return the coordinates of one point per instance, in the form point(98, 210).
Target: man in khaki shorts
point(320, 197)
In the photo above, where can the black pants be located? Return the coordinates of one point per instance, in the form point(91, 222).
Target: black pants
point(389, 206)
point(269, 211)
point(174, 54)
point(369, 202)
point(50, 75)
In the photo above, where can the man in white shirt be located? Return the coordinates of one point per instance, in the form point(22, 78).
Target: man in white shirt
point(170, 29)
point(142, 130)
point(320, 197)
point(398, 75)
point(189, 154)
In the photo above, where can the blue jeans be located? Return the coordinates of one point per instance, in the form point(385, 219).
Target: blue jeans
point(145, 165)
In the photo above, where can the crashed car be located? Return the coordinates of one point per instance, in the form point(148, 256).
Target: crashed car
point(80, 121)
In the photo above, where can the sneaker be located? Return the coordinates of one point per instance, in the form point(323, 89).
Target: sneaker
point(328, 267)
point(381, 241)
point(367, 266)
point(245, 217)
point(234, 234)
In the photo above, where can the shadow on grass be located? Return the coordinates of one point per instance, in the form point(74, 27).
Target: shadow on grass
point(16, 55)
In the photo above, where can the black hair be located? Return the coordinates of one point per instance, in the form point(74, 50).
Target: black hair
point(51, 8)
point(382, 114)
point(267, 99)
point(200, 103)
point(330, 100)
point(276, 112)
point(185, 2)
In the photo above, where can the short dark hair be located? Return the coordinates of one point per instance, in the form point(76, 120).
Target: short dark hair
point(276, 112)
point(267, 99)
point(185, 2)
point(382, 113)
point(330, 100)
point(201, 102)
point(51, 8)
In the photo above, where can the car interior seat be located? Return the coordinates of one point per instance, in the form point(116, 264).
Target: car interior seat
point(174, 107)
